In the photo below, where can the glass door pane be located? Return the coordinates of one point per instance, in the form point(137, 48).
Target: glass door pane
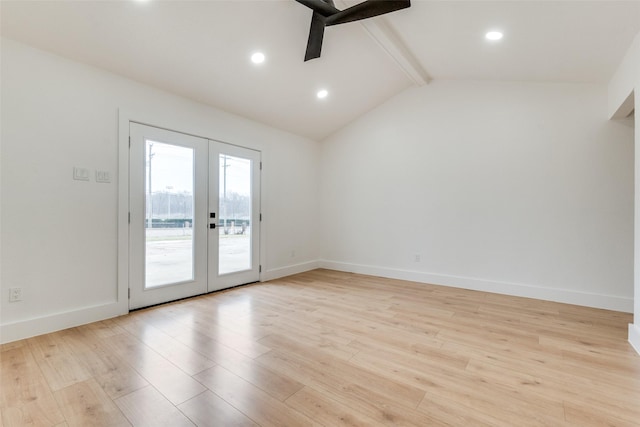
point(234, 242)
point(169, 214)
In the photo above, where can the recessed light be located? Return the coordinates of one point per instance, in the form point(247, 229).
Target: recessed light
point(493, 35)
point(323, 93)
point(257, 58)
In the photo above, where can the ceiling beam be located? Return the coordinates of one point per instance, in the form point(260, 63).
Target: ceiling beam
point(392, 44)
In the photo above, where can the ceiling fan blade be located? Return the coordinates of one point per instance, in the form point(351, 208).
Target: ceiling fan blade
point(316, 34)
point(366, 9)
point(324, 8)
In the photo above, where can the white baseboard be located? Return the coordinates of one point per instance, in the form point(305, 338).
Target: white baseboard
point(42, 325)
point(634, 337)
point(289, 270)
point(608, 302)
point(55, 322)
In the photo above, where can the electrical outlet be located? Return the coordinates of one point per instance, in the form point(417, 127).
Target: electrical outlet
point(293, 254)
point(416, 258)
point(15, 294)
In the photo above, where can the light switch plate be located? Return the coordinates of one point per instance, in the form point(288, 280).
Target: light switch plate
point(80, 174)
point(103, 176)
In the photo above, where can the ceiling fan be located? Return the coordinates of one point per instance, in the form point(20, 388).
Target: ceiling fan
point(326, 14)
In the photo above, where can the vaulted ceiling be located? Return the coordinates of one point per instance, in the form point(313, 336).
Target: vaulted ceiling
point(201, 49)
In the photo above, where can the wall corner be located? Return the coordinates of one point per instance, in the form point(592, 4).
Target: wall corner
point(634, 337)
point(622, 84)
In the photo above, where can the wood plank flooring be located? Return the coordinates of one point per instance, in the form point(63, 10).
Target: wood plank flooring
point(326, 348)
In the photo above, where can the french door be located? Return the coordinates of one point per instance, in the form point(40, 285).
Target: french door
point(194, 215)
point(234, 188)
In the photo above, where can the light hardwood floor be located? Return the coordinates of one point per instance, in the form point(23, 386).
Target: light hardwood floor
point(332, 349)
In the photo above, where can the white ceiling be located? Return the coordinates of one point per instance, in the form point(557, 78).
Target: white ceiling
point(201, 49)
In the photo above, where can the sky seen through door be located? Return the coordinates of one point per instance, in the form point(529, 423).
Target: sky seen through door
point(173, 170)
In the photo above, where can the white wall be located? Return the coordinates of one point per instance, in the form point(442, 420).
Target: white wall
point(624, 88)
point(623, 95)
point(515, 188)
point(518, 188)
point(59, 236)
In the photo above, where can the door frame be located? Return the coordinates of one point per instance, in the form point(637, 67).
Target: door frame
point(163, 120)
